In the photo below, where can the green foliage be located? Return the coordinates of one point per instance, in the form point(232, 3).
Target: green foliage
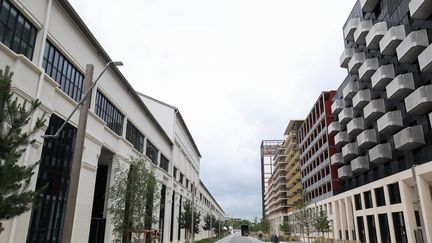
point(304, 217)
point(185, 218)
point(133, 190)
point(208, 221)
point(265, 225)
point(15, 198)
point(322, 224)
point(286, 227)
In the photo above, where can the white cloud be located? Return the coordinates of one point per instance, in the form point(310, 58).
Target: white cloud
point(237, 69)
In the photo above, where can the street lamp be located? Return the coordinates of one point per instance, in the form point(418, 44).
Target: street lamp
point(83, 99)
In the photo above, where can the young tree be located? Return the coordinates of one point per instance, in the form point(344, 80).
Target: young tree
point(304, 216)
point(265, 225)
point(286, 227)
point(185, 219)
point(207, 222)
point(134, 197)
point(15, 198)
point(322, 224)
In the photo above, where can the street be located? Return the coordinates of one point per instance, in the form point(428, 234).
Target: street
point(237, 238)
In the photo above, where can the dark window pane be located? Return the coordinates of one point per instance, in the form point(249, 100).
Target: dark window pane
point(114, 119)
point(15, 30)
point(372, 229)
point(134, 136)
point(379, 196)
point(384, 228)
point(164, 163)
point(357, 201)
point(368, 199)
point(152, 152)
point(394, 194)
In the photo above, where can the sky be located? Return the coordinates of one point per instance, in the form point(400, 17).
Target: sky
point(238, 70)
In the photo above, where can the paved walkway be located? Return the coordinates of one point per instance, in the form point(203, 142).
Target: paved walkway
point(235, 238)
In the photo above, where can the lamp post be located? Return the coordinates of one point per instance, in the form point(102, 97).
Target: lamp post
point(79, 147)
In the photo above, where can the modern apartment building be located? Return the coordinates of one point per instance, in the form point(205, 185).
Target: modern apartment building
point(293, 164)
point(268, 150)
point(47, 46)
point(382, 125)
point(319, 177)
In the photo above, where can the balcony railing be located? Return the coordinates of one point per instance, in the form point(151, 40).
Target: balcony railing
point(350, 28)
point(368, 5)
point(412, 46)
point(341, 139)
point(356, 61)
point(383, 76)
point(345, 172)
point(425, 59)
point(346, 57)
point(350, 90)
point(334, 128)
point(367, 139)
point(361, 31)
point(390, 123)
point(361, 99)
point(400, 87)
point(409, 138)
point(368, 68)
point(374, 110)
point(419, 102)
point(355, 126)
point(380, 153)
point(360, 164)
point(346, 115)
point(337, 106)
point(350, 151)
point(337, 159)
point(392, 38)
point(375, 34)
point(420, 9)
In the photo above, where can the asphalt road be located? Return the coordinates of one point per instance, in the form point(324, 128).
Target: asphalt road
point(235, 238)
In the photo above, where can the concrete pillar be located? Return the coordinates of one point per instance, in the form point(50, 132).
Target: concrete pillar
point(407, 195)
point(426, 207)
point(337, 219)
point(350, 217)
point(389, 215)
point(343, 218)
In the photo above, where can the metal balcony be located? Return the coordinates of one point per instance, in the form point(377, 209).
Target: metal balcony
point(392, 38)
point(334, 128)
point(350, 90)
point(425, 59)
point(412, 46)
point(356, 61)
point(337, 106)
point(368, 68)
point(345, 172)
point(346, 57)
point(390, 123)
point(383, 75)
point(361, 31)
point(375, 34)
point(355, 126)
point(419, 102)
point(400, 87)
point(367, 139)
point(350, 151)
point(374, 110)
point(346, 115)
point(337, 159)
point(341, 139)
point(420, 9)
point(409, 138)
point(380, 153)
point(368, 5)
point(360, 164)
point(350, 28)
point(361, 99)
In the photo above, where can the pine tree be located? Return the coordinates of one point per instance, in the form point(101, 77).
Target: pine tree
point(185, 219)
point(15, 198)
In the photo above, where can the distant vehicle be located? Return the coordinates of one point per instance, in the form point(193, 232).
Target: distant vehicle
point(244, 230)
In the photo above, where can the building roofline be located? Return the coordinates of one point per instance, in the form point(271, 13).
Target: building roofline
point(102, 53)
point(205, 188)
point(291, 124)
point(180, 118)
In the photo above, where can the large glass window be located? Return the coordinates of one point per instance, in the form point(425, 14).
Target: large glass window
point(47, 218)
point(164, 163)
point(399, 227)
point(379, 196)
point(368, 199)
point(384, 227)
point(152, 152)
point(16, 32)
point(357, 201)
point(394, 193)
point(372, 229)
point(134, 136)
point(63, 72)
point(109, 113)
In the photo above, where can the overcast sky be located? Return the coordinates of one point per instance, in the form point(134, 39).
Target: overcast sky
point(239, 70)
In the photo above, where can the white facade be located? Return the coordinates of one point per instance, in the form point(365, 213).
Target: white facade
point(57, 22)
